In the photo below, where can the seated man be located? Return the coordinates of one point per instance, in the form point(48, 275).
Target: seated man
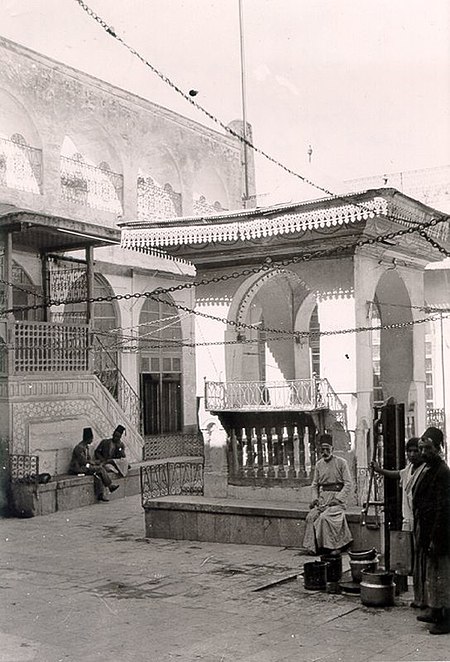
point(81, 464)
point(111, 453)
point(326, 526)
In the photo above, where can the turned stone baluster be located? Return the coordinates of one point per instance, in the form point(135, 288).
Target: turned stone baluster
point(260, 454)
point(312, 447)
point(280, 453)
point(234, 454)
point(240, 452)
point(250, 453)
point(270, 458)
point(301, 450)
point(290, 451)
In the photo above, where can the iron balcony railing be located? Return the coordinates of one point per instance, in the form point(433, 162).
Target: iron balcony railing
point(20, 166)
point(88, 185)
point(290, 395)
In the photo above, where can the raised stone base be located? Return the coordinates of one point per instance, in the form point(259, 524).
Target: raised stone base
point(233, 521)
point(66, 492)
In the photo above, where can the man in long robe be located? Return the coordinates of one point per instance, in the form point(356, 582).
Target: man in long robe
point(431, 503)
point(326, 525)
point(408, 477)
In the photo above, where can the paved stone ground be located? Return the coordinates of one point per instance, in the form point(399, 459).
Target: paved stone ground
point(85, 585)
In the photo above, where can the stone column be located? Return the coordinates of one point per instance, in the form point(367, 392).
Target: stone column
point(211, 367)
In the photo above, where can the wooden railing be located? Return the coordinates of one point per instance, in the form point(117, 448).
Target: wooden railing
point(50, 347)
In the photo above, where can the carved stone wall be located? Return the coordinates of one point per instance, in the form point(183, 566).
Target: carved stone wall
point(115, 127)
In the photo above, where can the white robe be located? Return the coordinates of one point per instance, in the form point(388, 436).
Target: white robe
point(326, 525)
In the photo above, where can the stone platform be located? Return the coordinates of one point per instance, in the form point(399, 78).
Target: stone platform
point(240, 521)
point(65, 492)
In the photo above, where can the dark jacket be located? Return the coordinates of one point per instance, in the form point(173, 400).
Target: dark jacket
point(431, 506)
point(108, 449)
point(80, 457)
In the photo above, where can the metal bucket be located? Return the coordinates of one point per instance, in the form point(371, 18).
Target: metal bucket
point(334, 567)
point(377, 589)
point(314, 576)
point(358, 567)
point(364, 554)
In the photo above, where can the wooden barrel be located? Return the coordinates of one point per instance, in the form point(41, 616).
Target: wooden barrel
point(314, 576)
point(377, 589)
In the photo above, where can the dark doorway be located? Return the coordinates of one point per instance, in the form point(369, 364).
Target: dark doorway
point(161, 402)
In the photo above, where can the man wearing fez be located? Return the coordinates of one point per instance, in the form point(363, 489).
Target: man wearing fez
point(326, 526)
point(81, 464)
point(110, 453)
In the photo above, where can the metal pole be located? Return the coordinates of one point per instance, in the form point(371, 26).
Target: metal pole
point(245, 197)
point(443, 385)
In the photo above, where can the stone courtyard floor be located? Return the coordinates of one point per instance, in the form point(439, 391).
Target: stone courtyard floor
point(85, 585)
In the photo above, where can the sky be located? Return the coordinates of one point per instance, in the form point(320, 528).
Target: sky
point(366, 83)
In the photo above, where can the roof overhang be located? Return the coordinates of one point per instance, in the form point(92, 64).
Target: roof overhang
point(43, 233)
point(250, 233)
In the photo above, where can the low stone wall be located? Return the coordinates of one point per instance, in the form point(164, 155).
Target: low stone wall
point(232, 521)
point(65, 492)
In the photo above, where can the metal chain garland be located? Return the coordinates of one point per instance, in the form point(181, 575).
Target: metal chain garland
point(215, 119)
point(305, 257)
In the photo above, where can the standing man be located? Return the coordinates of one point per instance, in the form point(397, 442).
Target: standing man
point(326, 526)
point(110, 453)
point(81, 464)
point(408, 477)
point(431, 504)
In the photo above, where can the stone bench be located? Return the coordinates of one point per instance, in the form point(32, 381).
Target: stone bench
point(240, 521)
point(65, 492)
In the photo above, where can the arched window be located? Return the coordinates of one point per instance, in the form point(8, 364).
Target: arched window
point(160, 355)
point(104, 324)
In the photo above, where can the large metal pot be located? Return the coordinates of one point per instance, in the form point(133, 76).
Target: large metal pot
point(377, 588)
point(365, 565)
point(360, 555)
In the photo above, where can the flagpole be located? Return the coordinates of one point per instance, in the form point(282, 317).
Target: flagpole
point(245, 196)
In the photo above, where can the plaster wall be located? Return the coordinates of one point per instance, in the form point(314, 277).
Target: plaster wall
point(47, 102)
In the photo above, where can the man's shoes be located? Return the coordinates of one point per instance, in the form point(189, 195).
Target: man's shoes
point(113, 488)
point(417, 605)
point(442, 627)
point(429, 616)
point(103, 498)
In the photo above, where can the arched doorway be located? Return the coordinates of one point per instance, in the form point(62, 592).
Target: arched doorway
point(160, 359)
point(391, 310)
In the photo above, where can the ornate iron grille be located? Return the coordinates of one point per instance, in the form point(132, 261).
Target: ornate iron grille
point(160, 446)
point(20, 166)
point(47, 347)
point(435, 417)
point(88, 185)
point(24, 468)
point(155, 201)
point(67, 281)
point(182, 477)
